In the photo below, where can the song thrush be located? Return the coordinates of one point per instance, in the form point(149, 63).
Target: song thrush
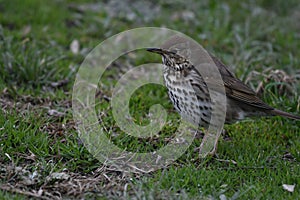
point(241, 101)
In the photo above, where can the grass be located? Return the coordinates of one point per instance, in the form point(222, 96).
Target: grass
point(41, 154)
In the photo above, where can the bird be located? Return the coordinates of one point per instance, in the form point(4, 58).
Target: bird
point(189, 93)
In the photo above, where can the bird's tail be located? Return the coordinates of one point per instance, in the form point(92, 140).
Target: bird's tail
point(285, 114)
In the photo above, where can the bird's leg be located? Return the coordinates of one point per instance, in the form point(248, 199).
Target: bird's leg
point(209, 144)
point(213, 152)
point(199, 134)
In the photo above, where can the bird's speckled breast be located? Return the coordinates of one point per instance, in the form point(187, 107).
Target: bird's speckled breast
point(185, 99)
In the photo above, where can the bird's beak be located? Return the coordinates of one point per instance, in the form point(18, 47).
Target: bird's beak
point(156, 50)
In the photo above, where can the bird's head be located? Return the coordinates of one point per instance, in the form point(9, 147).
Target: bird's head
point(171, 59)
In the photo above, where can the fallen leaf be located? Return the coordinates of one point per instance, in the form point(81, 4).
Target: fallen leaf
point(289, 188)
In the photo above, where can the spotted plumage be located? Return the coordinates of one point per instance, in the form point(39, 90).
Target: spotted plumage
point(190, 96)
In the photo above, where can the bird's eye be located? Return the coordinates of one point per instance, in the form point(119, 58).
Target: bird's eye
point(174, 50)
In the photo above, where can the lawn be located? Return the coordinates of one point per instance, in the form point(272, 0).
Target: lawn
point(42, 47)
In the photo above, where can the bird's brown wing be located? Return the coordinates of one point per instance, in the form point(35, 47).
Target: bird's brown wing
point(238, 90)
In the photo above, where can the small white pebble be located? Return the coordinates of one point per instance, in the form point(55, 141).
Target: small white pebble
point(74, 46)
point(222, 197)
